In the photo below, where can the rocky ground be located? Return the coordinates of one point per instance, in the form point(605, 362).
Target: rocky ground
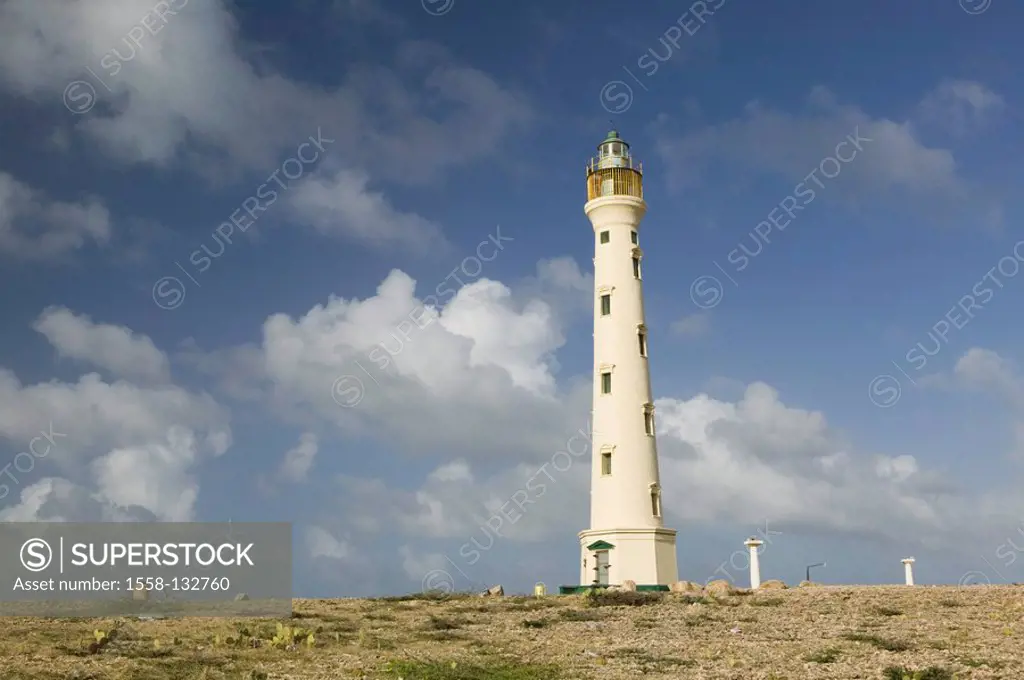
point(824, 633)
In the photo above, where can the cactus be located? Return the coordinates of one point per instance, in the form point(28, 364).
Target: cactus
point(310, 641)
point(285, 636)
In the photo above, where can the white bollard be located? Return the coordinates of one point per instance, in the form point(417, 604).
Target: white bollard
point(755, 566)
point(908, 568)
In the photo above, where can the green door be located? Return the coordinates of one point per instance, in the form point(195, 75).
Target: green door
point(601, 557)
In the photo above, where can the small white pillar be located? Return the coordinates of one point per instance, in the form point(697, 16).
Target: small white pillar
point(753, 544)
point(908, 568)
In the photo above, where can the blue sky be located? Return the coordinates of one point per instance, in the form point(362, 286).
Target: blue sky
point(409, 141)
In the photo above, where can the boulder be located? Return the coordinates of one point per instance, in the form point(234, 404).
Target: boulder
point(685, 587)
point(719, 587)
point(240, 597)
point(494, 591)
point(806, 584)
point(629, 586)
point(773, 584)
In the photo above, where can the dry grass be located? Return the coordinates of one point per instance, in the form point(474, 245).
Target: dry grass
point(888, 633)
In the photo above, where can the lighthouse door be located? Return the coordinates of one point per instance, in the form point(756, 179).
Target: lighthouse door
point(601, 557)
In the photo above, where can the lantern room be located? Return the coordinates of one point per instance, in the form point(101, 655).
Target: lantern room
point(612, 172)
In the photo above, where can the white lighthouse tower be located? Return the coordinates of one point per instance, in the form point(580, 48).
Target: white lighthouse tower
point(627, 538)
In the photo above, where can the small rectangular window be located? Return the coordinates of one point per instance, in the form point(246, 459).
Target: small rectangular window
point(605, 236)
point(606, 383)
point(656, 502)
point(642, 337)
point(649, 422)
point(606, 463)
point(636, 267)
point(633, 237)
point(606, 305)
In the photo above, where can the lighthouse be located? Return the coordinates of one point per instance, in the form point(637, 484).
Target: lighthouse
point(627, 538)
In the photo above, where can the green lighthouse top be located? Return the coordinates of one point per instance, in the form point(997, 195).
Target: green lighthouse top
point(613, 136)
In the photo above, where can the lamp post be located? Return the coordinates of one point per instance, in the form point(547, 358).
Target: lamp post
point(809, 567)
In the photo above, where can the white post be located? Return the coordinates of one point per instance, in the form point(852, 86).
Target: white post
point(755, 567)
point(908, 568)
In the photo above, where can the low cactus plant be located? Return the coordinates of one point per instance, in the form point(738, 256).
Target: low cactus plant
point(286, 636)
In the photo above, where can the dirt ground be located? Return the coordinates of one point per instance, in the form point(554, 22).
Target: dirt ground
point(819, 632)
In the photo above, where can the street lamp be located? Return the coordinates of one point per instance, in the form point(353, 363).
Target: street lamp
point(808, 572)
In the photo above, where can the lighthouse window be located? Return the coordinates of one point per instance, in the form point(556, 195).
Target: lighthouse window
point(606, 305)
point(606, 463)
point(642, 338)
point(649, 420)
point(633, 237)
point(636, 267)
point(616, 148)
point(656, 501)
point(606, 383)
point(605, 237)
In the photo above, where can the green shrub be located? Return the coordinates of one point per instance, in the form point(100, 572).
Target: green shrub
point(829, 655)
point(457, 670)
point(887, 611)
point(622, 598)
point(880, 642)
point(930, 673)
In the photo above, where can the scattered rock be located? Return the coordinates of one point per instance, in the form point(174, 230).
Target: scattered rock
point(735, 630)
point(240, 597)
point(494, 591)
point(806, 584)
point(628, 586)
point(719, 587)
point(685, 587)
point(774, 584)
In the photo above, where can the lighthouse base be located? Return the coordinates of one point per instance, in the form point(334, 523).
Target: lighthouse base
point(645, 556)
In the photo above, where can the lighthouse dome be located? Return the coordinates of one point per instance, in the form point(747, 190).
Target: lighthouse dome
point(613, 152)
